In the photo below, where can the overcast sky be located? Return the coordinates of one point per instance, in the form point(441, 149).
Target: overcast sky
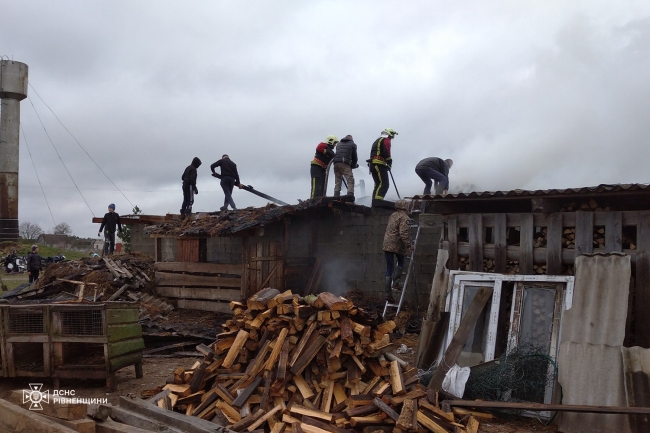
point(528, 95)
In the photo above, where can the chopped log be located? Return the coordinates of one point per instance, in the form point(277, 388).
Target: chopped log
point(405, 420)
point(346, 330)
point(279, 342)
point(241, 398)
point(396, 381)
point(260, 299)
point(322, 425)
point(247, 421)
point(308, 355)
point(332, 302)
point(415, 394)
point(239, 342)
point(228, 410)
point(437, 412)
point(472, 425)
point(266, 416)
point(303, 342)
point(385, 408)
point(429, 424)
point(197, 376)
point(301, 410)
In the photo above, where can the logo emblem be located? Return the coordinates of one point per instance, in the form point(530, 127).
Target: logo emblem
point(35, 396)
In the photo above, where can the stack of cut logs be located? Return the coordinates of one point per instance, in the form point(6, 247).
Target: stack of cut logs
point(316, 364)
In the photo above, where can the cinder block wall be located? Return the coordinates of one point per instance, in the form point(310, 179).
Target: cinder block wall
point(350, 248)
point(227, 250)
point(140, 241)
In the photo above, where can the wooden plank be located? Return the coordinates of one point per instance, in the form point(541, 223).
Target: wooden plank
point(554, 244)
point(500, 243)
point(277, 348)
point(216, 307)
point(396, 381)
point(123, 332)
point(301, 410)
point(540, 407)
point(170, 418)
point(465, 328)
point(642, 289)
point(203, 293)
point(109, 426)
point(614, 232)
point(452, 237)
point(189, 280)
point(584, 240)
point(199, 268)
point(526, 244)
point(308, 355)
point(475, 242)
point(240, 340)
point(16, 419)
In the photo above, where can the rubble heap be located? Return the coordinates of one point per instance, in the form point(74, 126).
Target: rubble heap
point(315, 364)
point(91, 280)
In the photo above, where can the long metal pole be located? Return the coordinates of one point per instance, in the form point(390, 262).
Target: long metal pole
point(394, 184)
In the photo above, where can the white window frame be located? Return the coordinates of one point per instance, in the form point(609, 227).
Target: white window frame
point(455, 291)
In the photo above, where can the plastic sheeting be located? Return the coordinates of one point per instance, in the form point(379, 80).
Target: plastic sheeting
point(590, 364)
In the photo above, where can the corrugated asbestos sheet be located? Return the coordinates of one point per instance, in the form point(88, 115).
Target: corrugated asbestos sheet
point(636, 366)
point(592, 374)
point(600, 189)
point(600, 300)
point(590, 364)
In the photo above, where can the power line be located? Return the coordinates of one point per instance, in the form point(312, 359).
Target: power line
point(82, 148)
point(36, 171)
point(60, 159)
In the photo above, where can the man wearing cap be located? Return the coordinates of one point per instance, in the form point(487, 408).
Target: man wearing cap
point(434, 169)
point(34, 264)
point(229, 178)
point(110, 221)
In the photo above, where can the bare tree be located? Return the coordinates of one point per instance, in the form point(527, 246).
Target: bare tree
point(29, 230)
point(62, 229)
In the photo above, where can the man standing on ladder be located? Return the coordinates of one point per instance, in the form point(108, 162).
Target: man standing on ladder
point(324, 154)
point(397, 240)
point(380, 163)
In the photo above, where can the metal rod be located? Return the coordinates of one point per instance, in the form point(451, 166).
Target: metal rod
point(394, 184)
point(257, 193)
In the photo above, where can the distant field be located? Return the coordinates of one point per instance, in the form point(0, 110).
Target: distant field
point(12, 280)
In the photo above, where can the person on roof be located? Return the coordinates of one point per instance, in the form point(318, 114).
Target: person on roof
point(434, 169)
point(229, 178)
point(110, 221)
point(380, 163)
point(344, 161)
point(189, 186)
point(397, 240)
point(324, 155)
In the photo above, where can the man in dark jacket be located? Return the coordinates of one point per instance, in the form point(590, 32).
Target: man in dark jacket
point(380, 163)
point(229, 178)
point(324, 154)
point(344, 161)
point(189, 186)
point(34, 264)
point(434, 169)
point(110, 221)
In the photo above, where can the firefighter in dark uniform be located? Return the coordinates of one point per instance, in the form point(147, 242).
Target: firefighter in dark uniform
point(380, 162)
point(324, 154)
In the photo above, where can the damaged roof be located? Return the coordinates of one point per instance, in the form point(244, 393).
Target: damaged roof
point(231, 222)
point(590, 190)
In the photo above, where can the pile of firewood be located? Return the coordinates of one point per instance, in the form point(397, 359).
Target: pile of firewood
point(315, 364)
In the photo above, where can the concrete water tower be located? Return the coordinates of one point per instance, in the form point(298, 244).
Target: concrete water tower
point(13, 89)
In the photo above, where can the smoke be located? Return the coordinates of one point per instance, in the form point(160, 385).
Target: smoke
point(339, 276)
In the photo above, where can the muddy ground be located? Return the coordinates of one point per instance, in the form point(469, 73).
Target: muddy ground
point(156, 371)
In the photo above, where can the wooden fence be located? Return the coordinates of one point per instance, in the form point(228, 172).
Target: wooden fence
point(200, 286)
point(485, 236)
